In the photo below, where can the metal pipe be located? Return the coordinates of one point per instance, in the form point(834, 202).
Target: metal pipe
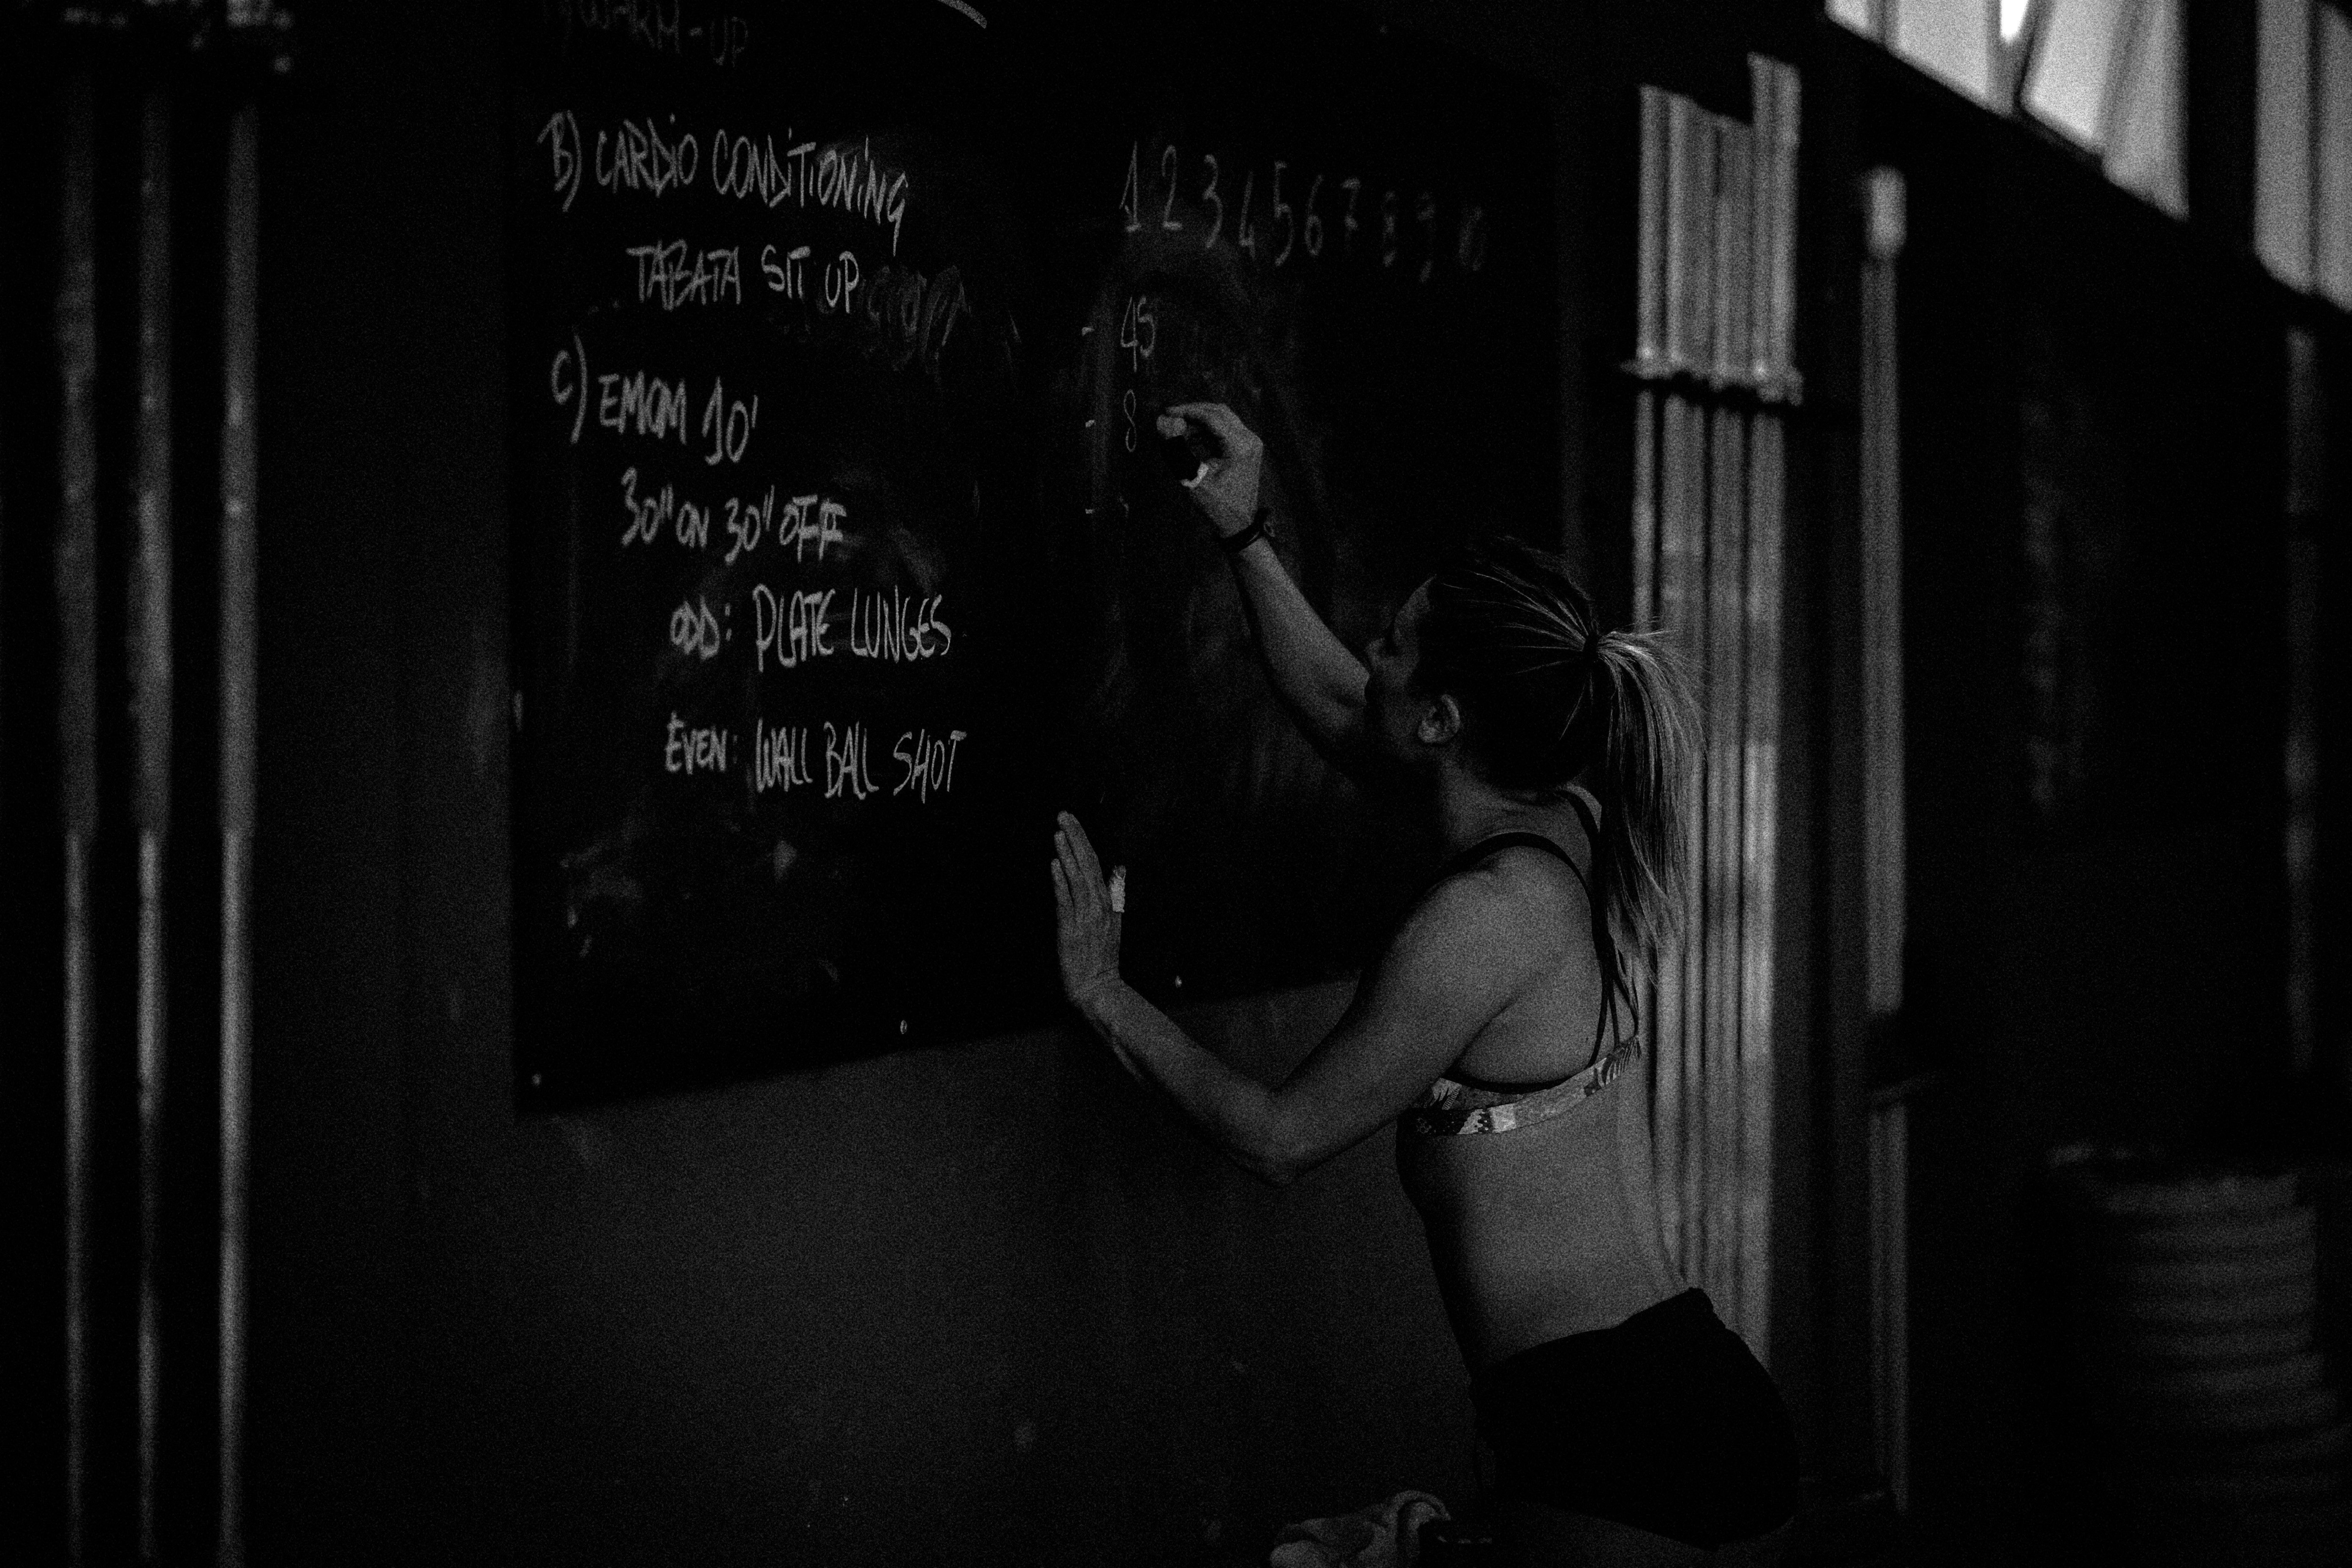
point(239, 710)
point(1729, 630)
point(2307, 501)
point(151, 714)
point(76, 596)
point(1883, 863)
point(1882, 600)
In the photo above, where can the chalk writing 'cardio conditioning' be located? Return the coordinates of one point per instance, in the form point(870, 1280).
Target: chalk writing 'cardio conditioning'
point(651, 158)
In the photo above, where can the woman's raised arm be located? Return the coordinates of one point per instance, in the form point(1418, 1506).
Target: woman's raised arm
point(1318, 678)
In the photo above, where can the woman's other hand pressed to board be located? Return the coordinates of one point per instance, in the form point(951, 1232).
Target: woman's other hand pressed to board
point(1087, 912)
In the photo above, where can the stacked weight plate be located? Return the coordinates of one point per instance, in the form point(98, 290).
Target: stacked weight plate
point(2215, 1434)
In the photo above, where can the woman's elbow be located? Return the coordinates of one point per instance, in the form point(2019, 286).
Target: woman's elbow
point(1278, 1161)
point(1274, 1141)
point(1274, 1170)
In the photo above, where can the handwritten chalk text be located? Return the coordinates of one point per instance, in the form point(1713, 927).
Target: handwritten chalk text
point(671, 275)
point(925, 762)
point(695, 749)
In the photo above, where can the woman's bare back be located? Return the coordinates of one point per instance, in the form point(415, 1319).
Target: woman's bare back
point(1548, 1229)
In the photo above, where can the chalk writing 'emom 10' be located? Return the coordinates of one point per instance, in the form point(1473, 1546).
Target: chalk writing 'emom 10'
point(632, 402)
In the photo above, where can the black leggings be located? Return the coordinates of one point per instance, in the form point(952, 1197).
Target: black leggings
point(1665, 1422)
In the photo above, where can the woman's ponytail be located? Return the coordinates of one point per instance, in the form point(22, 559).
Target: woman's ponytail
point(1550, 698)
point(1641, 775)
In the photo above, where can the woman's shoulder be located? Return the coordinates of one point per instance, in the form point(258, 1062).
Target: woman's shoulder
point(1515, 896)
point(1542, 853)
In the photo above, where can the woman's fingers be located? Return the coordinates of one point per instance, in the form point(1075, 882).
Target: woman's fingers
point(1078, 904)
point(1235, 438)
point(1087, 917)
point(1082, 852)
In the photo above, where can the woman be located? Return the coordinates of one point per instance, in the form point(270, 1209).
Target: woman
point(1629, 1426)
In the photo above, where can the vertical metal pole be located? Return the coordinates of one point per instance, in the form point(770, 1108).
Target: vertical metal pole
point(1759, 851)
point(1649, 350)
point(1890, 1285)
point(1770, 284)
point(238, 714)
point(1883, 848)
point(76, 591)
point(2306, 438)
point(1728, 1102)
point(1700, 1130)
point(1649, 315)
point(1882, 600)
point(151, 714)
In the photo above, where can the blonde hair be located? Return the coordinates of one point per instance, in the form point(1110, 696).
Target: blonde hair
point(1549, 696)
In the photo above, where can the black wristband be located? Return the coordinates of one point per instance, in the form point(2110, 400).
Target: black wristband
point(1234, 543)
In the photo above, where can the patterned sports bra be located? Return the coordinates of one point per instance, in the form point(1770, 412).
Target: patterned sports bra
point(1456, 1106)
point(1450, 1106)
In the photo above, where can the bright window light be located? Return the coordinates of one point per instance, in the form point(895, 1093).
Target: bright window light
point(1856, 14)
point(2109, 76)
point(2331, 210)
point(1950, 39)
point(2144, 118)
point(2282, 173)
point(2075, 67)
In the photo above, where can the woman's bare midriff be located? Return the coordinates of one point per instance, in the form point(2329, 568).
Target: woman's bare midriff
point(1542, 1231)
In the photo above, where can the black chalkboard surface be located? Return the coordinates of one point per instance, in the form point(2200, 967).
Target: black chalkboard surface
point(846, 555)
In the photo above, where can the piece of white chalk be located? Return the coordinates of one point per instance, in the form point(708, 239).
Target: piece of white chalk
point(1199, 474)
point(1118, 889)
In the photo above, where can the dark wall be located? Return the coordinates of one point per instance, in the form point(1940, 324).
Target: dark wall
point(984, 1303)
point(2094, 559)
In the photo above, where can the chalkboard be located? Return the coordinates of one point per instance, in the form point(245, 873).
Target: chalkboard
point(845, 554)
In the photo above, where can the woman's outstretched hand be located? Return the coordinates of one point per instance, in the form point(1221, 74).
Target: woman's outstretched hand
point(1227, 487)
point(1087, 913)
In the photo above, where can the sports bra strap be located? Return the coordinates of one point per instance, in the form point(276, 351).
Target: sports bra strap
point(1516, 838)
point(1604, 948)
